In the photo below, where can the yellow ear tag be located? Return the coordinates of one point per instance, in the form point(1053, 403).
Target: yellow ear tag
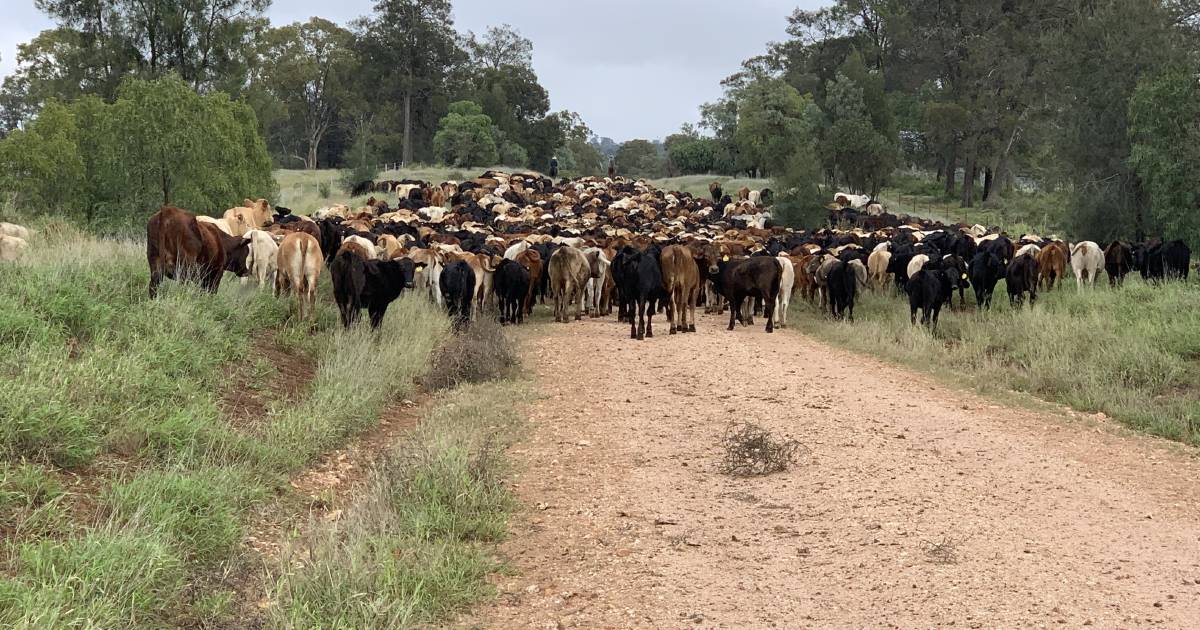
point(420, 267)
point(725, 259)
point(964, 276)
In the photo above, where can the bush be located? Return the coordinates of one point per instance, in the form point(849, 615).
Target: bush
point(323, 189)
point(481, 352)
point(752, 451)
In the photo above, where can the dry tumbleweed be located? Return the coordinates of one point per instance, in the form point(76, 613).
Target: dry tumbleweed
point(751, 450)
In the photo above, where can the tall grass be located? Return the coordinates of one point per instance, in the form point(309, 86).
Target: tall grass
point(416, 545)
point(123, 391)
point(1132, 353)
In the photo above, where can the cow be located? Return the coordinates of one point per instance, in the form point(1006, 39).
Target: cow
point(598, 264)
point(1118, 262)
point(512, 288)
point(428, 273)
point(714, 189)
point(12, 248)
point(640, 283)
point(1086, 261)
point(1052, 264)
point(531, 260)
point(360, 283)
point(842, 282)
point(956, 272)
point(14, 230)
point(252, 215)
point(569, 272)
point(757, 277)
point(787, 283)
point(877, 264)
point(222, 224)
point(986, 269)
point(298, 266)
point(928, 290)
point(1022, 278)
point(1162, 261)
point(681, 281)
point(181, 248)
point(262, 259)
point(915, 264)
point(457, 286)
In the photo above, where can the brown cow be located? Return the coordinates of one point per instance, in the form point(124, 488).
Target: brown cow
point(681, 280)
point(1052, 263)
point(531, 260)
point(743, 193)
point(181, 248)
point(299, 267)
point(569, 272)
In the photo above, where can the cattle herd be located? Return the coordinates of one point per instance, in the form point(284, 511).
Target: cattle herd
point(589, 246)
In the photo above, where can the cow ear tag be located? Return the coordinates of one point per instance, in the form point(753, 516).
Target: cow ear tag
point(964, 276)
point(420, 267)
point(725, 259)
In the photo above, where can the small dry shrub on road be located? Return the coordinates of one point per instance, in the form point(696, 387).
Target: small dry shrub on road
point(751, 451)
point(481, 352)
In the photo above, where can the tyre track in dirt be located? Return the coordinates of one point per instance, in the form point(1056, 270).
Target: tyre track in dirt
point(1046, 520)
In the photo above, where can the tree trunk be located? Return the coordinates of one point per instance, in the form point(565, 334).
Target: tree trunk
point(941, 169)
point(968, 187)
point(988, 180)
point(406, 154)
point(310, 163)
point(951, 171)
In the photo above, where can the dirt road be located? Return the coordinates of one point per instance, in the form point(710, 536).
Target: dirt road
point(918, 506)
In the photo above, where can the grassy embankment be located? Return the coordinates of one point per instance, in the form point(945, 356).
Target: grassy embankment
point(1132, 353)
point(126, 479)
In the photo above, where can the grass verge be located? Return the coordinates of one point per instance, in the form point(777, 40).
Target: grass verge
point(416, 545)
point(1131, 352)
point(122, 483)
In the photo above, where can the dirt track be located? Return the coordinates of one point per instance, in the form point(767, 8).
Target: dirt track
point(1046, 520)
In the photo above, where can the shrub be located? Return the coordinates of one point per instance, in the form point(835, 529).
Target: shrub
point(481, 352)
point(751, 450)
point(323, 189)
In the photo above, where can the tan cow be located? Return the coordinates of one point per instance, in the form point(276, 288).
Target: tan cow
point(569, 272)
point(681, 280)
point(12, 229)
point(12, 248)
point(299, 263)
point(263, 258)
point(252, 215)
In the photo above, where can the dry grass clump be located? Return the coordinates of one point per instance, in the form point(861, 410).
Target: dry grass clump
point(752, 451)
point(481, 352)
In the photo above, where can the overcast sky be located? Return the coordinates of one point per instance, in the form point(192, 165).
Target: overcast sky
point(631, 68)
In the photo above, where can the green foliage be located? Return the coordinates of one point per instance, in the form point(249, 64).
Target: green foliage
point(772, 123)
point(465, 137)
point(694, 155)
point(639, 158)
point(799, 202)
point(1164, 128)
point(513, 154)
point(159, 143)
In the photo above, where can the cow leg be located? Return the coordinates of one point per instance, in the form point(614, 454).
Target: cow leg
point(770, 312)
point(692, 311)
point(733, 309)
point(652, 305)
point(377, 313)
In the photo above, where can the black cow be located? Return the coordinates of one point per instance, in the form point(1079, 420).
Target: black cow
point(1118, 261)
point(842, 286)
point(373, 284)
point(955, 268)
point(1022, 278)
point(928, 290)
point(639, 283)
point(986, 270)
point(511, 282)
point(902, 254)
point(1001, 246)
point(458, 289)
point(757, 277)
point(1159, 261)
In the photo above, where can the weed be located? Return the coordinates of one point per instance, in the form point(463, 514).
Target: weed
point(751, 451)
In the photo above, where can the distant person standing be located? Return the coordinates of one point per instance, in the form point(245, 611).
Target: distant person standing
point(554, 167)
point(612, 168)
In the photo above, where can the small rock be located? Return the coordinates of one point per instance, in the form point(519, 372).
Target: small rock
point(543, 506)
point(532, 588)
point(1158, 604)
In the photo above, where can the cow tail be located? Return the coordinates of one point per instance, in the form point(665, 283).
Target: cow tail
point(303, 281)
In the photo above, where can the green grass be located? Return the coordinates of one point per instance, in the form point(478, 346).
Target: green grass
point(697, 185)
point(1016, 213)
point(124, 391)
point(417, 545)
point(1132, 353)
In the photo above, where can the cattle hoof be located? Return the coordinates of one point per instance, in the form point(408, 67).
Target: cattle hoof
point(672, 332)
point(691, 329)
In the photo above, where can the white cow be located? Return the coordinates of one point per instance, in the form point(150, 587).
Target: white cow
point(916, 264)
point(786, 282)
point(593, 290)
point(11, 248)
point(262, 259)
point(1087, 260)
point(12, 229)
